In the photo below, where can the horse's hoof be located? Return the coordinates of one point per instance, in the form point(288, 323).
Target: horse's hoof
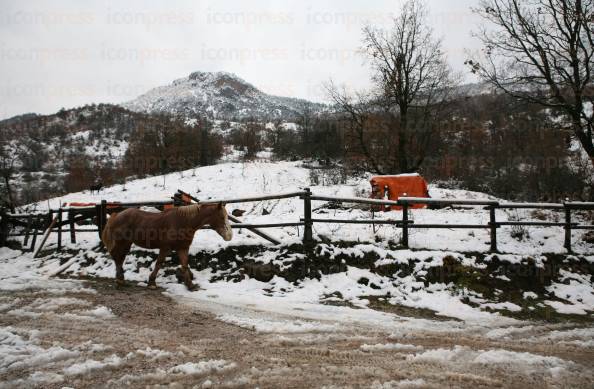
point(152, 286)
point(120, 283)
point(192, 287)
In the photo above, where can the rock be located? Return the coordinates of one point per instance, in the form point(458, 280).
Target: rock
point(263, 272)
point(238, 212)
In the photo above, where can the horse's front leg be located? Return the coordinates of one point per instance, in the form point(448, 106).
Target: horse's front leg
point(187, 276)
point(163, 253)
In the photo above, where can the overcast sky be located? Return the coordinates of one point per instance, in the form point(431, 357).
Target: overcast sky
point(57, 54)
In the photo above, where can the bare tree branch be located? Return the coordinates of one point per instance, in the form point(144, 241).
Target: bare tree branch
point(542, 51)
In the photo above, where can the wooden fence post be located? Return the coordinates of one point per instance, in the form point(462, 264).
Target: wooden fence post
point(27, 231)
point(493, 226)
point(34, 239)
point(60, 229)
point(567, 243)
point(405, 225)
point(3, 229)
point(307, 232)
point(103, 214)
point(98, 217)
point(72, 227)
point(46, 235)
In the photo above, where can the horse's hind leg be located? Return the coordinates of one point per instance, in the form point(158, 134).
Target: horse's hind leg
point(185, 270)
point(119, 262)
point(160, 259)
point(119, 256)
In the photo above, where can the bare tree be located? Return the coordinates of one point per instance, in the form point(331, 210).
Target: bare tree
point(413, 83)
point(306, 122)
point(541, 51)
point(357, 109)
point(7, 170)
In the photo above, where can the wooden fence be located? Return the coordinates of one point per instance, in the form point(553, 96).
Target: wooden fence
point(54, 221)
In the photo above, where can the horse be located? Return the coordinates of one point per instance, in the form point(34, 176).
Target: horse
point(170, 230)
point(96, 187)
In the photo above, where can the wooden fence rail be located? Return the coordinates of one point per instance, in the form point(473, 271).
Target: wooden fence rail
point(53, 220)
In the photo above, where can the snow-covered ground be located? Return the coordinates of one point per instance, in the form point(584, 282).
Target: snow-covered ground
point(232, 180)
point(428, 247)
point(570, 293)
point(50, 334)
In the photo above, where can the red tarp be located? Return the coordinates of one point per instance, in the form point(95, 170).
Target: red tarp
point(403, 185)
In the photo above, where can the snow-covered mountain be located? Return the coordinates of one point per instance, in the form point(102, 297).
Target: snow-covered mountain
point(222, 96)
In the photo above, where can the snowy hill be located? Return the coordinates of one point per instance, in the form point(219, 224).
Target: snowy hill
point(219, 95)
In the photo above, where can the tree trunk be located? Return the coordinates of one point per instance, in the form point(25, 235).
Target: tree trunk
point(204, 146)
point(585, 139)
point(402, 141)
point(9, 190)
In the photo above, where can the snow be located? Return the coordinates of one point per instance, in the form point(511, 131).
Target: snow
point(402, 384)
point(19, 348)
point(38, 379)
point(156, 354)
point(290, 126)
point(519, 360)
point(191, 122)
point(390, 347)
point(22, 348)
point(277, 326)
point(576, 289)
point(401, 175)
point(576, 333)
point(91, 364)
point(100, 312)
point(588, 109)
point(568, 309)
point(511, 357)
point(445, 304)
point(203, 367)
point(19, 271)
point(506, 333)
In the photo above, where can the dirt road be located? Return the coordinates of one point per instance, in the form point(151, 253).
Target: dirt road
point(138, 337)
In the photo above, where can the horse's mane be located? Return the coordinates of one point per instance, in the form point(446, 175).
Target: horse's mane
point(188, 210)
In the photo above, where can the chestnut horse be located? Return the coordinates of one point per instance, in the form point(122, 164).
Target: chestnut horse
point(170, 230)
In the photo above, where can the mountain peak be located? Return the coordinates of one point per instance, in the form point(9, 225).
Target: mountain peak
point(218, 95)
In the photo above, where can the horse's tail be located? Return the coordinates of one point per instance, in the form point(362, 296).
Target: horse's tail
point(107, 234)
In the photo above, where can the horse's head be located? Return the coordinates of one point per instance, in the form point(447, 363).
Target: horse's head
point(220, 222)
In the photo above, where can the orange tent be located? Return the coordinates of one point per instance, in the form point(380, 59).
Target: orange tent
point(402, 185)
